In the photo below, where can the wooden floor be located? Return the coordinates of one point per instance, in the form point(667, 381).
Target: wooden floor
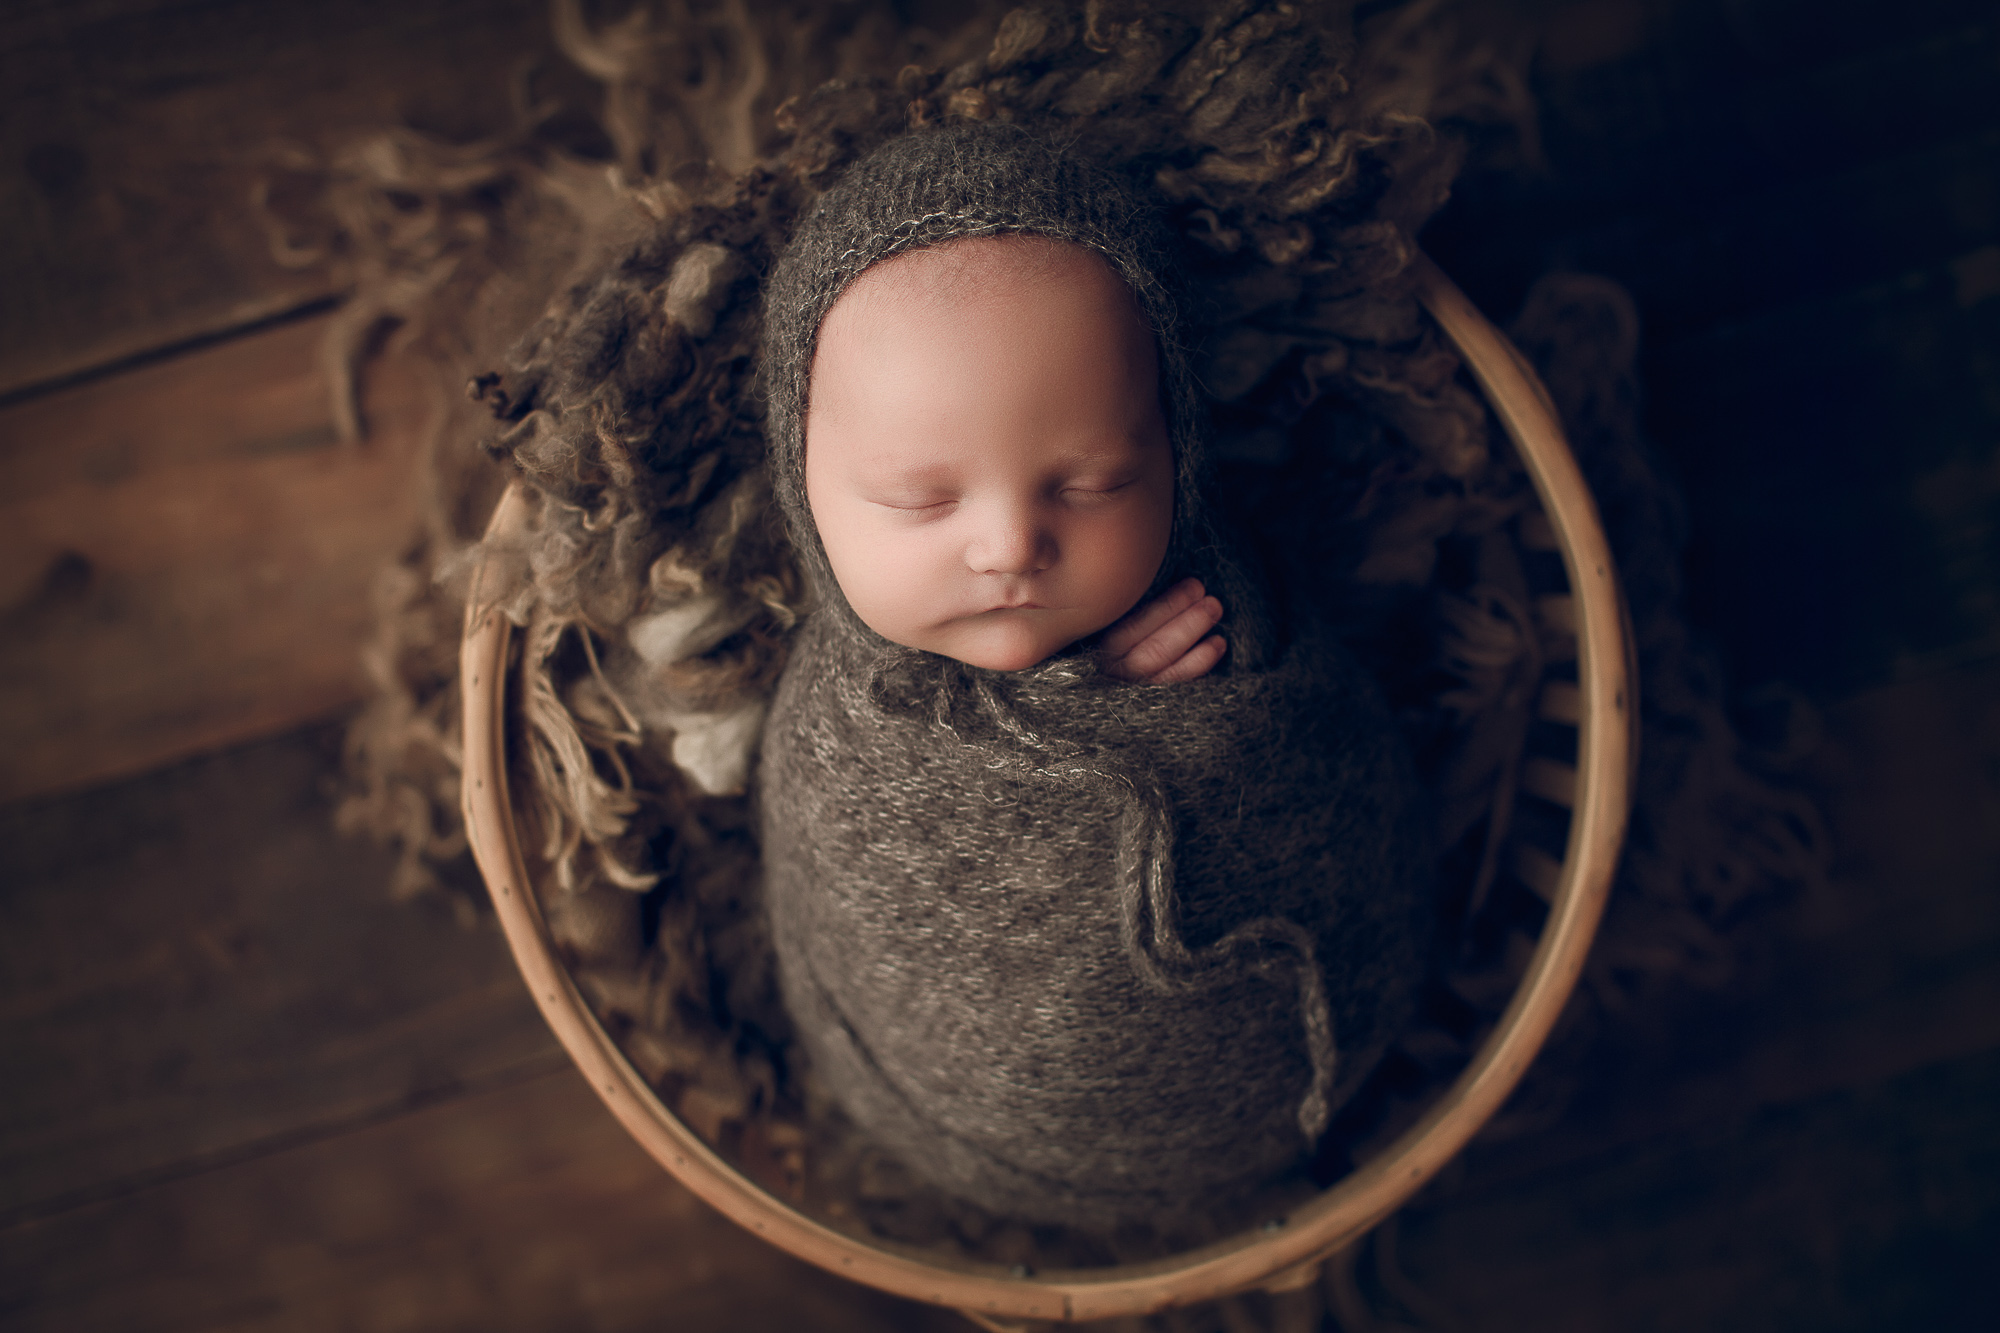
point(241, 1089)
point(246, 1091)
point(1814, 1146)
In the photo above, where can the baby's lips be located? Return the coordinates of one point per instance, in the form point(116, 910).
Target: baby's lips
point(977, 610)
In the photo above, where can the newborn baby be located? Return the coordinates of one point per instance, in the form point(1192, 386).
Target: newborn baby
point(1095, 886)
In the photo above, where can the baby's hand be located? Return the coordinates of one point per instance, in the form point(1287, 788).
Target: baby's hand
point(1163, 643)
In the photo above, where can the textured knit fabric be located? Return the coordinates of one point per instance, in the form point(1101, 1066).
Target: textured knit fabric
point(1074, 949)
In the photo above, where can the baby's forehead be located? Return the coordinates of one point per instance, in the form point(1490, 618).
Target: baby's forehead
point(991, 342)
point(972, 269)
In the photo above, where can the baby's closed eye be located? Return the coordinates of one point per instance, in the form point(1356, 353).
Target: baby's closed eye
point(914, 502)
point(1096, 492)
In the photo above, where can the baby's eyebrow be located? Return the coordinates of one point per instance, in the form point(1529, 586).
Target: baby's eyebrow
point(1117, 453)
point(911, 474)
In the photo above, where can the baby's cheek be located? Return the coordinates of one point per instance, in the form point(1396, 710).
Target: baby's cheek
point(1129, 557)
point(898, 583)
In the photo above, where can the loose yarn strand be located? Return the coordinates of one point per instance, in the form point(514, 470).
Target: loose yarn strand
point(574, 802)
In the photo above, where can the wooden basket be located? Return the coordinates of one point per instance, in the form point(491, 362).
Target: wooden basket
point(1278, 1258)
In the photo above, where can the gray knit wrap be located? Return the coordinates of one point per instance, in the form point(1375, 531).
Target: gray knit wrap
point(1076, 950)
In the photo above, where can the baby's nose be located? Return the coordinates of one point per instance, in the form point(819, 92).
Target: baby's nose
point(1011, 540)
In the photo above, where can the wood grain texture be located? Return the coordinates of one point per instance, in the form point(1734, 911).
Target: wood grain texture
point(195, 967)
point(523, 1208)
point(135, 130)
point(1864, 1209)
point(186, 554)
point(244, 1090)
point(1811, 1146)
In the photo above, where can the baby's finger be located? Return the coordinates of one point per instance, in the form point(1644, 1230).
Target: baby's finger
point(1198, 662)
point(1171, 641)
point(1134, 629)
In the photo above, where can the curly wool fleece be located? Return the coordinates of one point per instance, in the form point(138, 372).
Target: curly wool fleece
point(1075, 950)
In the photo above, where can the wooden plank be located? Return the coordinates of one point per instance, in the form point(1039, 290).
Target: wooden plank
point(135, 131)
point(186, 553)
point(1874, 1209)
point(195, 967)
point(522, 1208)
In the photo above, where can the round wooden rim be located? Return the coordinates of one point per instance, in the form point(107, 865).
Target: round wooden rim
point(1271, 1257)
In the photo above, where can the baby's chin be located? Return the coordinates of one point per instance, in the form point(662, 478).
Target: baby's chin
point(998, 640)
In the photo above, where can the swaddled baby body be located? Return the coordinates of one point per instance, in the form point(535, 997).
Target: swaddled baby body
point(1095, 886)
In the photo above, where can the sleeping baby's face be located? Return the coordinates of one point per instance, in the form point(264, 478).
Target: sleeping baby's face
point(986, 458)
